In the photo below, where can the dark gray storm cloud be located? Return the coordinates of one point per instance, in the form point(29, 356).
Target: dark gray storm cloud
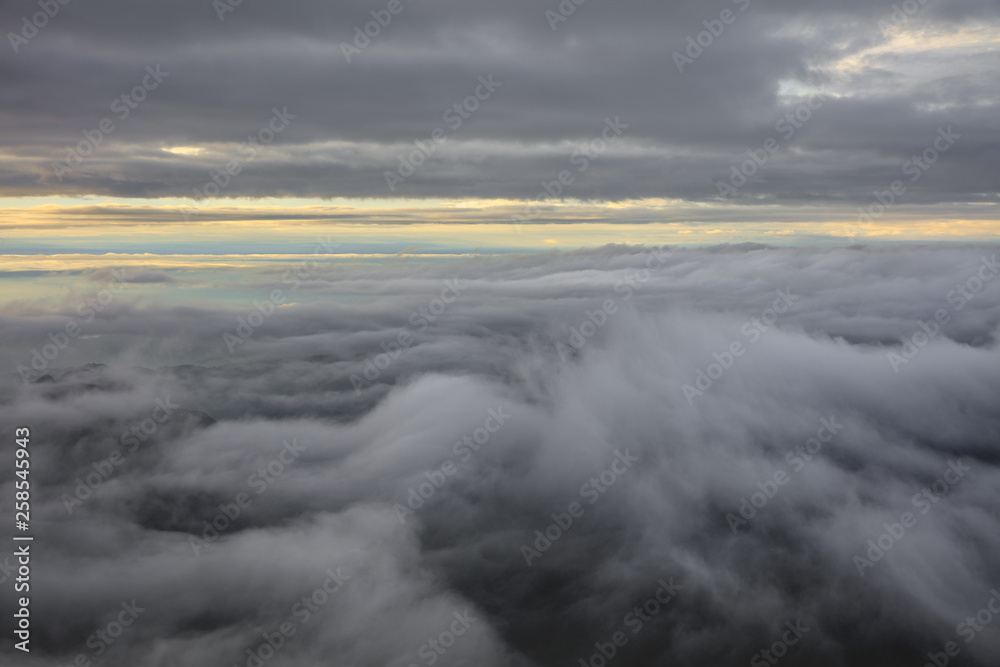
point(888, 92)
point(758, 436)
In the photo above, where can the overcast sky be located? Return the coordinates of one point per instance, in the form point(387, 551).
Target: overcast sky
point(887, 94)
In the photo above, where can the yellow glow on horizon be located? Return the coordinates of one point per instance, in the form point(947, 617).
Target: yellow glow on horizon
point(156, 225)
point(185, 150)
point(539, 237)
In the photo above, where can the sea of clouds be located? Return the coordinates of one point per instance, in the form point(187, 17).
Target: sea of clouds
point(625, 455)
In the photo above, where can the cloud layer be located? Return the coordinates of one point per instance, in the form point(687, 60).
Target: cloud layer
point(890, 82)
point(377, 461)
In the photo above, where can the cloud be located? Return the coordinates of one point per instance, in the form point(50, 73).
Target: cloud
point(423, 465)
point(889, 91)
